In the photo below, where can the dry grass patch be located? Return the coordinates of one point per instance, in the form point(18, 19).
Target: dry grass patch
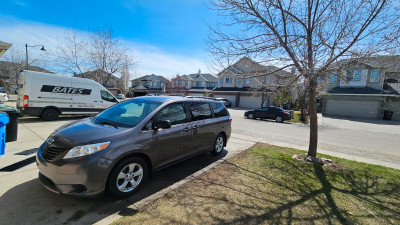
point(265, 185)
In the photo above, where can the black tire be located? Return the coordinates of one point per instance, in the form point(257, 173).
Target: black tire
point(123, 167)
point(219, 144)
point(279, 119)
point(251, 116)
point(50, 114)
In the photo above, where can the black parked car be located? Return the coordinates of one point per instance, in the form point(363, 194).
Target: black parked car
point(271, 112)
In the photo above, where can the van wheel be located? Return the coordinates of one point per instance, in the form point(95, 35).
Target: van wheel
point(50, 114)
point(127, 177)
point(218, 145)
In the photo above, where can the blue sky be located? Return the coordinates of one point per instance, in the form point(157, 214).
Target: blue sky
point(168, 36)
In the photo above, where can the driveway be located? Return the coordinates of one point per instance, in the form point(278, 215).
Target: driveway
point(371, 141)
point(24, 200)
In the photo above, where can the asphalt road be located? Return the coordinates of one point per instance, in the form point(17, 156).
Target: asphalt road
point(372, 141)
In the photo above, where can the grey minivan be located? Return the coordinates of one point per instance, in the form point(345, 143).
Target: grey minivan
point(116, 149)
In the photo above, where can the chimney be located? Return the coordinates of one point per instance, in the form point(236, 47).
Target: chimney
point(199, 71)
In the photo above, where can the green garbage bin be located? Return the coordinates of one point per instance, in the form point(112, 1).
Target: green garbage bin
point(12, 126)
point(3, 122)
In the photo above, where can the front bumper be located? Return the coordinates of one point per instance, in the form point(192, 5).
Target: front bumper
point(81, 177)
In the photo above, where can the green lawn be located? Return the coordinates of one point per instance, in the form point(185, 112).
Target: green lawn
point(265, 185)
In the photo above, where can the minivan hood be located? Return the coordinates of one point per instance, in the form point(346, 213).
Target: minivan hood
point(84, 132)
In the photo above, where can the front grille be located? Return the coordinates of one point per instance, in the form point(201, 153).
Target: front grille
point(49, 153)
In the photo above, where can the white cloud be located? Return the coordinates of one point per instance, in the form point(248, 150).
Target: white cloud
point(151, 59)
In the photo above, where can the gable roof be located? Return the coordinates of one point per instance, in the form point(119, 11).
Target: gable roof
point(7, 64)
point(390, 63)
point(198, 77)
point(365, 90)
point(152, 77)
point(246, 66)
point(100, 72)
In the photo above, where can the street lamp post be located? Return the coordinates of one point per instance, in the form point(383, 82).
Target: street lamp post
point(26, 52)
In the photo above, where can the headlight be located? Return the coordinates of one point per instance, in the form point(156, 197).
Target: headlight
point(79, 151)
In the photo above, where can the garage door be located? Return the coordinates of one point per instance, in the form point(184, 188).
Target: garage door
point(352, 108)
point(231, 98)
point(250, 102)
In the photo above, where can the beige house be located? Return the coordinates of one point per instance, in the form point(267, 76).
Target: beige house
point(111, 82)
point(363, 88)
point(247, 83)
point(198, 84)
point(149, 84)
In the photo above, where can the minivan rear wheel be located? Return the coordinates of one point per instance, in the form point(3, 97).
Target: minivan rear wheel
point(50, 114)
point(219, 144)
point(127, 177)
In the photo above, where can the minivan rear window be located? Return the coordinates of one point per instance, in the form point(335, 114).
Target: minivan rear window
point(200, 111)
point(175, 113)
point(219, 109)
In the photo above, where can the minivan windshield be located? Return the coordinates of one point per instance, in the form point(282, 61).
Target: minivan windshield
point(126, 114)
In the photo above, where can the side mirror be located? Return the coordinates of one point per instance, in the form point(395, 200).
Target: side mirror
point(164, 124)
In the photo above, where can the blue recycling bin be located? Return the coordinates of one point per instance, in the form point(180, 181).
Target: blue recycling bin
point(3, 122)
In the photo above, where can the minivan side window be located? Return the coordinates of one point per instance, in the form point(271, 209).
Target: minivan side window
point(200, 111)
point(106, 96)
point(175, 113)
point(219, 109)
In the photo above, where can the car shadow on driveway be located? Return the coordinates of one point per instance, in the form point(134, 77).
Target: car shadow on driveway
point(31, 203)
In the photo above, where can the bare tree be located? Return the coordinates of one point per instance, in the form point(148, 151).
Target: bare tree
point(125, 79)
point(310, 34)
point(96, 54)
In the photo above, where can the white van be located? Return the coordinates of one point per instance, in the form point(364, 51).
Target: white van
point(49, 95)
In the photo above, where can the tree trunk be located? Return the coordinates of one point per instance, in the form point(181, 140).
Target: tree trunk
point(312, 147)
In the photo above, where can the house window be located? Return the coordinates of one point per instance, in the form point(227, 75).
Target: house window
point(349, 75)
point(221, 80)
point(247, 81)
point(239, 80)
point(213, 84)
point(228, 80)
point(374, 76)
point(198, 83)
point(155, 84)
point(269, 79)
point(147, 83)
point(357, 74)
point(332, 78)
point(162, 84)
point(180, 82)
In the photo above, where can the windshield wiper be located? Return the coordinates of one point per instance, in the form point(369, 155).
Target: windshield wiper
point(107, 123)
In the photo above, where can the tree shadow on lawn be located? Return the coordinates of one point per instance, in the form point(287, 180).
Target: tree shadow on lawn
point(302, 193)
point(31, 203)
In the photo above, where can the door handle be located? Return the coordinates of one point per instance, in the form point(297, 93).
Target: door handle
point(195, 127)
point(186, 129)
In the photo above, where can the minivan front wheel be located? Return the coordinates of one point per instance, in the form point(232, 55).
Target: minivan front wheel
point(219, 144)
point(127, 177)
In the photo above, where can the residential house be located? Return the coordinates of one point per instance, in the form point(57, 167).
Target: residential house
point(198, 84)
point(9, 72)
point(149, 85)
point(111, 82)
point(249, 84)
point(363, 88)
point(4, 46)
